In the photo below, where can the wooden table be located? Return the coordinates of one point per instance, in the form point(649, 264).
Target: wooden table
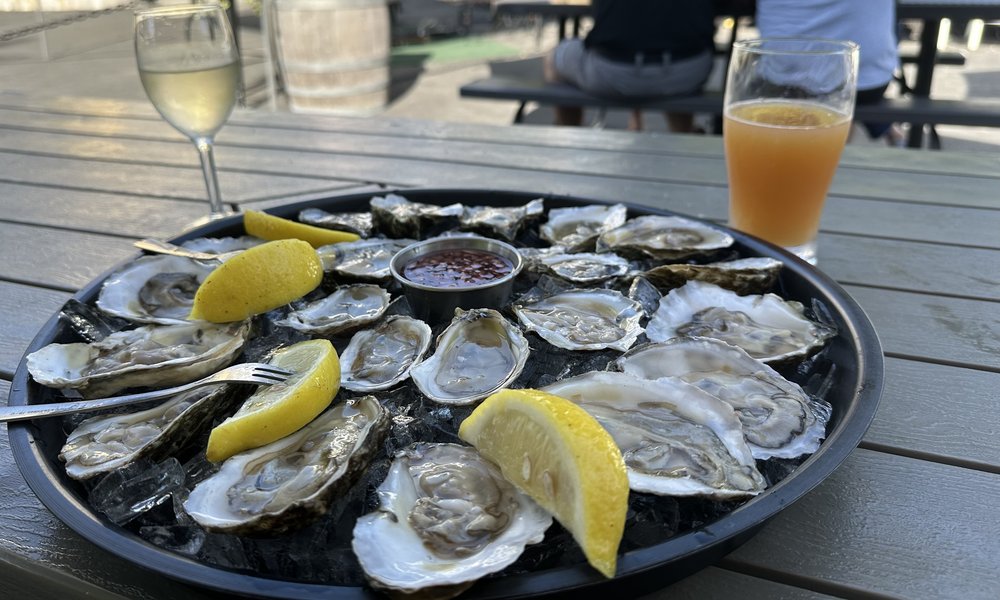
point(914, 237)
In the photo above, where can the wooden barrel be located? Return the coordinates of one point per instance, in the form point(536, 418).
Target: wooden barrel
point(334, 54)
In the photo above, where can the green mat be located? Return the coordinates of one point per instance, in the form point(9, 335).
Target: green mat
point(455, 50)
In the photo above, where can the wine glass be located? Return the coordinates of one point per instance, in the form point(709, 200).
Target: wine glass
point(787, 113)
point(190, 67)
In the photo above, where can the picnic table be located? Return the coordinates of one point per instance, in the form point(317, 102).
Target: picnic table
point(913, 237)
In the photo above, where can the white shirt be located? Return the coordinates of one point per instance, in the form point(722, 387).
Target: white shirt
point(871, 24)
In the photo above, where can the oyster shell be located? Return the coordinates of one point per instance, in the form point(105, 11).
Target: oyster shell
point(364, 259)
point(676, 439)
point(150, 356)
point(663, 238)
point(779, 419)
point(584, 319)
point(585, 268)
point(504, 222)
point(479, 353)
point(767, 327)
point(292, 481)
point(397, 217)
point(108, 442)
point(577, 228)
point(351, 222)
point(446, 518)
point(348, 307)
point(154, 289)
point(743, 276)
point(222, 245)
point(379, 358)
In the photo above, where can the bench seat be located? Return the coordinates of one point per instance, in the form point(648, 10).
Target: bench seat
point(904, 110)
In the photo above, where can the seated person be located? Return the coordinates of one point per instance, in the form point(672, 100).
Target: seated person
point(638, 48)
point(871, 25)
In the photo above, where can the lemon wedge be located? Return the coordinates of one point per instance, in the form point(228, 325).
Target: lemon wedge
point(270, 227)
point(277, 410)
point(257, 280)
point(559, 455)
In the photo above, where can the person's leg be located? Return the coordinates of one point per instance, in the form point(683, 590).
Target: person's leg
point(564, 64)
point(680, 122)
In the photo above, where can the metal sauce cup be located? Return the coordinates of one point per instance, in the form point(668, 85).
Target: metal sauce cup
point(435, 304)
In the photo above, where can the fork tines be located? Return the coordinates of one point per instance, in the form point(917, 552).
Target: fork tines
point(271, 373)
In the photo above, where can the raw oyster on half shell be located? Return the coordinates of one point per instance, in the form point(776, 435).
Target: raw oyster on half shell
point(767, 327)
point(108, 442)
point(585, 268)
point(290, 482)
point(154, 289)
point(779, 419)
point(351, 222)
point(479, 353)
point(576, 228)
point(348, 307)
point(503, 222)
point(379, 358)
point(446, 518)
point(397, 217)
point(584, 319)
point(366, 260)
point(149, 356)
point(743, 276)
point(663, 238)
point(676, 439)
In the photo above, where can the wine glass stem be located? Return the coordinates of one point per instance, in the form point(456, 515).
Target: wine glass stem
point(204, 146)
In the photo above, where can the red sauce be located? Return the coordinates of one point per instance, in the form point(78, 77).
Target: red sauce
point(457, 267)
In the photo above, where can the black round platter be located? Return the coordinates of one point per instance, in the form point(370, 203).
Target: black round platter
point(854, 354)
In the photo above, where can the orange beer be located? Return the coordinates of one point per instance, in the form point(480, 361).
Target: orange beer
point(781, 156)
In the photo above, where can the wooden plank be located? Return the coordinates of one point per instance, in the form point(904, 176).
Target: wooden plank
point(4, 389)
point(950, 331)
point(133, 216)
point(23, 311)
point(69, 172)
point(714, 582)
point(60, 259)
point(887, 525)
point(864, 182)
point(936, 412)
point(956, 163)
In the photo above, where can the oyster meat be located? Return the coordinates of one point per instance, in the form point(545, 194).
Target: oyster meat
point(108, 442)
point(663, 238)
point(222, 245)
point(576, 228)
point(743, 276)
point(154, 289)
point(290, 482)
point(479, 353)
point(379, 358)
point(446, 518)
point(149, 356)
point(676, 439)
point(779, 419)
point(348, 307)
point(366, 260)
point(584, 319)
point(767, 327)
point(585, 268)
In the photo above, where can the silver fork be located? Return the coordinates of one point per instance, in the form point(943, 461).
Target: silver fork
point(161, 247)
point(258, 373)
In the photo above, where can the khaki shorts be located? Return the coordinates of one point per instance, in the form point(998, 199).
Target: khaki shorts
point(600, 76)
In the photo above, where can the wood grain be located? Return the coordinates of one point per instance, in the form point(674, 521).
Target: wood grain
point(888, 525)
point(23, 311)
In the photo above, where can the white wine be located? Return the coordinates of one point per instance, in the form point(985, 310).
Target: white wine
point(196, 100)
